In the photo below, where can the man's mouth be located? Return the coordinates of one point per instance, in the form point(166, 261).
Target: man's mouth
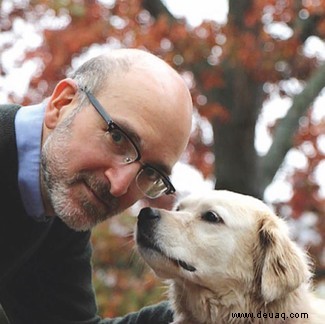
point(145, 242)
point(105, 205)
point(92, 192)
point(97, 195)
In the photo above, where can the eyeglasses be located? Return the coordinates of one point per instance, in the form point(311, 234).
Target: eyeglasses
point(151, 182)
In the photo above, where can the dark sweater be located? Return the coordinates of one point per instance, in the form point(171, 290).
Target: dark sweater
point(45, 268)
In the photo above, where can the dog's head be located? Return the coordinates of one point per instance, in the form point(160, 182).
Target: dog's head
point(222, 241)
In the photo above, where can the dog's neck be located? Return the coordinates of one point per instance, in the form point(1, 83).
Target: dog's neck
point(220, 308)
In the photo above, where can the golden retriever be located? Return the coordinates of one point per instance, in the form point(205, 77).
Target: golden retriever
point(228, 259)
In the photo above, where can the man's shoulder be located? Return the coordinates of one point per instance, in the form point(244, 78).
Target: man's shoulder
point(7, 116)
point(9, 105)
point(9, 108)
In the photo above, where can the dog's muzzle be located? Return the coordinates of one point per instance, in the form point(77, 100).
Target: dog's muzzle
point(148, 219)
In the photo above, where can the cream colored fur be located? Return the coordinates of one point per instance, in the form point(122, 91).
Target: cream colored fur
point(242, 261)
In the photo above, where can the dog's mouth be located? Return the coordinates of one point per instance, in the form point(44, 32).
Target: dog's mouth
point(145, 242)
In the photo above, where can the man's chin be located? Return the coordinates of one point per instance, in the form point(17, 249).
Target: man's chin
point(82, 221)
point(77, 224)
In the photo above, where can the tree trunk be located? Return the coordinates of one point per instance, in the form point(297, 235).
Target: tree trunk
point(237, 165)
point(235, 154)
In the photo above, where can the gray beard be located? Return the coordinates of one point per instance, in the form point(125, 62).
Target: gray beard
point(79, 213)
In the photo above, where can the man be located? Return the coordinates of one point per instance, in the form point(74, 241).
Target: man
point(108, 136)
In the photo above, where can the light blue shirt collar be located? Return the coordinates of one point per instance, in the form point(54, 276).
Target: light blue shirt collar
point(28, 125)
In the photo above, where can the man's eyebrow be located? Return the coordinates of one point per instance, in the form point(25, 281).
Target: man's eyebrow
point(160, 167)
point(130, 131)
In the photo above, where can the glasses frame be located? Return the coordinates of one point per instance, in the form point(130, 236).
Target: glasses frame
point(170, 189)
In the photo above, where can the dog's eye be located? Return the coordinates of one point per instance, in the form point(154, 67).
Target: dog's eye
point(212, 217)
point(178, 207)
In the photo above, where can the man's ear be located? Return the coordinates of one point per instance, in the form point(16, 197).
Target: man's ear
point(63, 94)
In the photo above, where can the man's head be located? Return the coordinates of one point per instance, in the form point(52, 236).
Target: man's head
point(144, 102)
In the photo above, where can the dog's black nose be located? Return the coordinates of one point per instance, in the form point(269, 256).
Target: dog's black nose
point(147, 221)
point(147, 214)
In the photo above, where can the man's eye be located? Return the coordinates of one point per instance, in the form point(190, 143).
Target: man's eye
point(117, 137)
point(151, 174)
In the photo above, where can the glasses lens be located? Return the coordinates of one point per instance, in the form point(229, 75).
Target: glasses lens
point(151, 182)
point(121, 147)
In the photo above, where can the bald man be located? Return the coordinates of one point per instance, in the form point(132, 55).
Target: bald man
point(108, 136)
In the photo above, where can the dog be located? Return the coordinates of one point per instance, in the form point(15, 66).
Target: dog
point(228, 259)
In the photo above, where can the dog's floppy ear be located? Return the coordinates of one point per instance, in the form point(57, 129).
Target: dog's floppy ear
point(283, 266)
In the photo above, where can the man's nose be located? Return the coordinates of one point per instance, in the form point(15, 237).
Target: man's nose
point(121, 177)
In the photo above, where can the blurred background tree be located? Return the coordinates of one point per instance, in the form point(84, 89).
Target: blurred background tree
point(260, 61)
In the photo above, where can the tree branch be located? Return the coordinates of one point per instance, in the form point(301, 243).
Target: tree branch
point(237, 11)
point(283, 136)
point(307, 26)
point(156, 8)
